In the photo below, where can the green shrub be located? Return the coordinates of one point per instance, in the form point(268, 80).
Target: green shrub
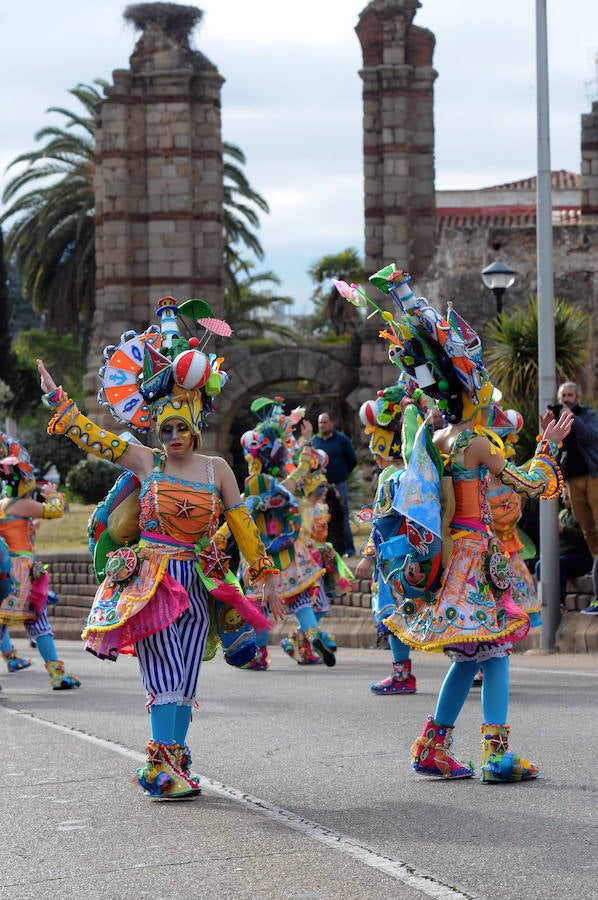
point(91, 479)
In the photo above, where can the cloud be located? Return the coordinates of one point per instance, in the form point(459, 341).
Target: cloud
point(292, 97)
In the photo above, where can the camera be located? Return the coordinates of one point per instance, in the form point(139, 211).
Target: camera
point(556, 409)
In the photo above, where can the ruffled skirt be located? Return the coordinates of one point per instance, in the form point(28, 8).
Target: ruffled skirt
point(469, 607)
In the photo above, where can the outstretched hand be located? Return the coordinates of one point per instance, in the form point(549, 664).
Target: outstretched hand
point(306, 429)
point(271, 598)
point(46, 381)
point(556, 431)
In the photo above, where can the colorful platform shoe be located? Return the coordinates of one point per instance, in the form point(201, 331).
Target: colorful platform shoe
point(14, 662)
point(401, 681)
point(430, 753)
point(259, 662)
point(59, 679)
point(499, 764)
point(329, 641)
point(162, 777)
point(183, 759)
point(297, 646)
point(315, 638)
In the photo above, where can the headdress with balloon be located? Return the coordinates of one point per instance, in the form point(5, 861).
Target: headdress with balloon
point(383, 418)
point(164, 371)
point(269, 447)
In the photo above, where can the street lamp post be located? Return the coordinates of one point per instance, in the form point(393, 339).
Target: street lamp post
point(498, 277)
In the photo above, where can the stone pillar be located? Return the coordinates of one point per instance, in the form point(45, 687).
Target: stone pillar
point(398, 126)
point(158, 180)
point(589, 165)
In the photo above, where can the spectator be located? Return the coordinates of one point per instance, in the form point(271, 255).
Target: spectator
point(579, 464)
point(341, 462)
point(575, 558)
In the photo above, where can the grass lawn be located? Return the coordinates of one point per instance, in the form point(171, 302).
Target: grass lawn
point(70, 532)
point(67, 533)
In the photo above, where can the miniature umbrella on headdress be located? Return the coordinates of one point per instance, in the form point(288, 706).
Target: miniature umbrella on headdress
point(201, 313)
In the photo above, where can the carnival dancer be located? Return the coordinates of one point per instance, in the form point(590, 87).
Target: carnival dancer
point(337, 579)
point(469, 611)
point(269, 492)
point(27, 603)
point(164, 594)
point(383, 418)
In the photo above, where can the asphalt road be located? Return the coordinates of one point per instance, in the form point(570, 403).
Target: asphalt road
point(308, 791)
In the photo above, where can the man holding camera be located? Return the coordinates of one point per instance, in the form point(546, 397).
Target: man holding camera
point(579, 465)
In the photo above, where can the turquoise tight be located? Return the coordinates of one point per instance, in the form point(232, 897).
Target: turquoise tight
point(170, 723)
point(457, 684)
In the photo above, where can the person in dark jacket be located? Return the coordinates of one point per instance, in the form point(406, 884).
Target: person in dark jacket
point(341, 462)
point(579, 465)
point(575, 558)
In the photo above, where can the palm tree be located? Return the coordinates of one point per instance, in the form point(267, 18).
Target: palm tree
point(512, 354)
point(239, 215)
point(51, 238)
point(511, 357)
point(249, 308)
point(331, 311)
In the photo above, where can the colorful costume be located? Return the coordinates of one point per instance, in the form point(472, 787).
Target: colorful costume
point(465, 606)
point(26, 604)
point(337, 579)
point(166, 592)
point(382, 419)
point(269, 493)
point(505, 512)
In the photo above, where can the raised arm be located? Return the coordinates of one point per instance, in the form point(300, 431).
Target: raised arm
point(542, 477)
point(68, 420)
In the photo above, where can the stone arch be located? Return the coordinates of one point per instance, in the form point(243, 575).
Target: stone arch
point(253, 373)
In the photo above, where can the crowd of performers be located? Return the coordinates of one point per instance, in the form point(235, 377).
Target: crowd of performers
point(443, 554)
point(24, 582)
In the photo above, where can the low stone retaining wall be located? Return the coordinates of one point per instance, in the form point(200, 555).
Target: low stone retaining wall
point(73, 578)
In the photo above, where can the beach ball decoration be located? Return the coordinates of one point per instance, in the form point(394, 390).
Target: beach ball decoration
point(191, 369)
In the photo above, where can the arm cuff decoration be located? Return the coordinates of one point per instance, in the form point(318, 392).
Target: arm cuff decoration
point(250, 544)
point(547, 448)
point(53, 507)
point(543, 479)
point(305, 464)
point(82, 431)
point(368, 551)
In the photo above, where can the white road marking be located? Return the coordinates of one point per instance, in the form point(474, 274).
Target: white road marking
point(394, 868)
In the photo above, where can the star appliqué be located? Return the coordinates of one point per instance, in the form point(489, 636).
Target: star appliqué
point(184, 508)
point(213, 561)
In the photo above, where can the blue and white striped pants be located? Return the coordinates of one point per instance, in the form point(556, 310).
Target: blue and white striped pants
point(171, 658)
point(34, 627)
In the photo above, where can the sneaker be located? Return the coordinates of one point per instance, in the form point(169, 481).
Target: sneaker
point(591, 610)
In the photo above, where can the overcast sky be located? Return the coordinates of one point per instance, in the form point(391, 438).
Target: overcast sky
point(292, 98)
